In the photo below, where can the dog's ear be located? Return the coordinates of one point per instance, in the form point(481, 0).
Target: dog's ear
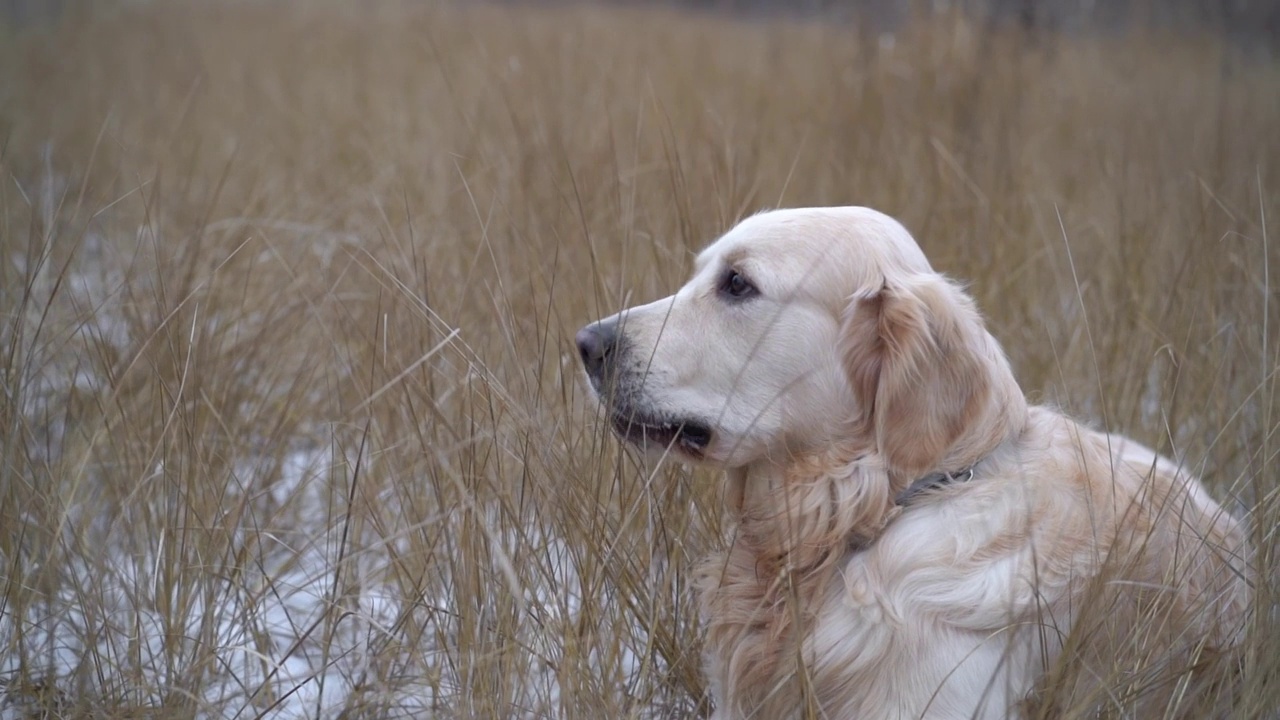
point(916, 354)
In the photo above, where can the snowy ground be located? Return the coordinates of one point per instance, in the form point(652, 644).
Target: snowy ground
point(311, 634)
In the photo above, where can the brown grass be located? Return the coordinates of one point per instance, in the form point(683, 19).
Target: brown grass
point(291, 421)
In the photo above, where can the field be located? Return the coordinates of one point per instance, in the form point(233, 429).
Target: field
point(292, 423)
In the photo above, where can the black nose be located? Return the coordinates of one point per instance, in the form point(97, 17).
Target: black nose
point(595, 344)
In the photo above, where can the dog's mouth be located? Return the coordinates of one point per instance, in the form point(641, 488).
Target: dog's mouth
point(689, 436)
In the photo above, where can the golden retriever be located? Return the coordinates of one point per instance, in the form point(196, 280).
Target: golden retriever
point(913, 539)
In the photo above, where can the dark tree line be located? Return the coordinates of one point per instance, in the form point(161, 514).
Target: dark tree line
point(1252, 21)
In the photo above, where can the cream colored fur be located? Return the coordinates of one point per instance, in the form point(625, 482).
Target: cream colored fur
point(852, 370)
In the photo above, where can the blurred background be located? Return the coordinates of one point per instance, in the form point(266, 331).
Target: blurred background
point(291, 420)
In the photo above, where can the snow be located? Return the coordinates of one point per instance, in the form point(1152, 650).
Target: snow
point(312, 623)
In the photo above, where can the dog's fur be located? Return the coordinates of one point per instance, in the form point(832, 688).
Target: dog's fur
point(847, 370)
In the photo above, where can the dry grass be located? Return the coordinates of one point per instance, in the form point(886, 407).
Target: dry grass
point(291, 422)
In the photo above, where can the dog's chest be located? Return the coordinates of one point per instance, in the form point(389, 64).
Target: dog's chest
point(918, 607)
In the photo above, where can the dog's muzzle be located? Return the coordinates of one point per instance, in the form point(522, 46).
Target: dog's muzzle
point(600, 347)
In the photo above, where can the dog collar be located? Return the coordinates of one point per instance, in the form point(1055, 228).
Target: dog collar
point(932, 482)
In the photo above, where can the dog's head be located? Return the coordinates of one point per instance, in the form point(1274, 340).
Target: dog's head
point(799, 328)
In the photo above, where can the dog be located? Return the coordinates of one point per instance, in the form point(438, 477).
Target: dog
point(913, 538)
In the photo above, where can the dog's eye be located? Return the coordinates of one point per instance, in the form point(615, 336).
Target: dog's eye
point(736, 285)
